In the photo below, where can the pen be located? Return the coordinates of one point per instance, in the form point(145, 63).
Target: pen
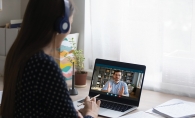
point(90, 100)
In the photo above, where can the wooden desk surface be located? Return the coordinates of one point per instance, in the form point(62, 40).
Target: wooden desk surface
point(149, 99)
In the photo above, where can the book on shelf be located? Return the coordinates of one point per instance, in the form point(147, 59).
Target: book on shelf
point(15, 23)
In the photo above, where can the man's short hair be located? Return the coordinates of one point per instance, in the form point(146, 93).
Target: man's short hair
point(116, 71)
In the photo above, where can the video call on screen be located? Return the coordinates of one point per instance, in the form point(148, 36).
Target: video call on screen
point(104, 73)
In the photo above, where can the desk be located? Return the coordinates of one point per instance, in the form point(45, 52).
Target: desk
point(148, 100)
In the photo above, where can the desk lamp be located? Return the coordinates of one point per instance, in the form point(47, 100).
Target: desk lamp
point(73, 91)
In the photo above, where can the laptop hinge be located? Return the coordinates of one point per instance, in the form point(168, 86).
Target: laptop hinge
point(116, 102)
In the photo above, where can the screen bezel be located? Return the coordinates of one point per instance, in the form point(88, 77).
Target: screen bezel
point(123, 65)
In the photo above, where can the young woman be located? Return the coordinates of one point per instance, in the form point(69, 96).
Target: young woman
point(33, 83)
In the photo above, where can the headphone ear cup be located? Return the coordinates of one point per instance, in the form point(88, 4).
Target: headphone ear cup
point(65, 25)
point(62, 25)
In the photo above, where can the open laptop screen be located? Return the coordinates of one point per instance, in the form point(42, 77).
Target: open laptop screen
point(117, 81)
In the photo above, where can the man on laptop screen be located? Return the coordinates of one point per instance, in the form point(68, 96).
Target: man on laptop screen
point(118, 85)
point(115, 85)
point(116, 81)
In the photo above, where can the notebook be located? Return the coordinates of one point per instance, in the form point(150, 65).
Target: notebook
point(175, 110)
point(124, 96)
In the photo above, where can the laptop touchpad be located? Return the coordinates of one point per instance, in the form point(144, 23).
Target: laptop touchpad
point(102, 110)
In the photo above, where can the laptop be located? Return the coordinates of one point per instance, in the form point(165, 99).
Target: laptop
point(114, 104)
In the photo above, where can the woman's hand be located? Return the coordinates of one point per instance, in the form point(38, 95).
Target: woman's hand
point(79, 114)
point(91, 107)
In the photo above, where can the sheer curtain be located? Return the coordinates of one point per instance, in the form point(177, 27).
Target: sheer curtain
point(157, 33)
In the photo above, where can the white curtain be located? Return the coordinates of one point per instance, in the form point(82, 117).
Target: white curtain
point(157, 33)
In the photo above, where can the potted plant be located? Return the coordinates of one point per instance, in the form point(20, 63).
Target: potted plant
point(78, 63)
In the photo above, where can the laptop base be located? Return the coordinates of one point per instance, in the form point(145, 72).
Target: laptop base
point(103, 111)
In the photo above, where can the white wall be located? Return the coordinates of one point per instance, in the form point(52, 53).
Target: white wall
point(78, 21)
point(11, 10)
point(23, 7)
point(81, 24)
point(87, 37)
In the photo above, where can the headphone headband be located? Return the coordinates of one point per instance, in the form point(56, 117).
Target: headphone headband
point(67, 8)
point(62, 24)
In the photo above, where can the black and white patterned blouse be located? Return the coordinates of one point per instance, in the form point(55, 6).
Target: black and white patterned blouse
point(43, 91)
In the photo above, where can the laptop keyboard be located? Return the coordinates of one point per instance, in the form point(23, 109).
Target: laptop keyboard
point(112, 106)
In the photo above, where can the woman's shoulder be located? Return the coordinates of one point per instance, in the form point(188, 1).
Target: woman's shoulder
point(41, 60)
point(41, 57)
point(42, 65)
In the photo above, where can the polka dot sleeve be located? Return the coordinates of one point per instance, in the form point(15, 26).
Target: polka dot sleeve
point(55, 91)
point(44, 91)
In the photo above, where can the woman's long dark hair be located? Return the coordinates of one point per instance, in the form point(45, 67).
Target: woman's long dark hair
point(36, 32)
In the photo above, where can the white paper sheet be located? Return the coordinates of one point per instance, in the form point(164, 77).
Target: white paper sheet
point(139, 114)
point(173, 101)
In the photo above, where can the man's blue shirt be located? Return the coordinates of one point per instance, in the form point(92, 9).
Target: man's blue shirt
point(116, 87)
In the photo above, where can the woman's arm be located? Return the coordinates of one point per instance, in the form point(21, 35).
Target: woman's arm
point(57, 99)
